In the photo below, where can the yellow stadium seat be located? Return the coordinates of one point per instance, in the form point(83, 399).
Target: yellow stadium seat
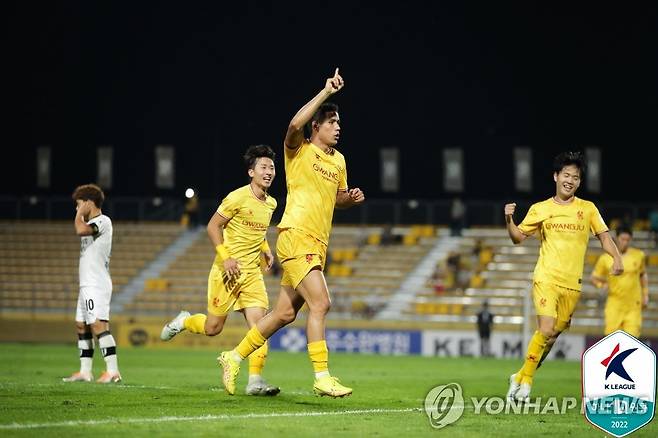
point(374, 239)
point(410, 239)
point(477, 281)
point(486, 256)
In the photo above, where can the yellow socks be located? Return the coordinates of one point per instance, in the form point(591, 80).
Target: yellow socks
point(250, 343)
point(257, 360)
point(535, 351)
point(319, 354)
point(196, 324)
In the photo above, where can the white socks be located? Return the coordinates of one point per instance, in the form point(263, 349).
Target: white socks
point(109, 349)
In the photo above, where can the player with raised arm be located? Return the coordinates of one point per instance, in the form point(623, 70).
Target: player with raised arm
point(563, 224)
point(93, 311)
point(316, 177)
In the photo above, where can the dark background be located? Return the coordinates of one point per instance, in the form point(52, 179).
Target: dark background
point(212, 78)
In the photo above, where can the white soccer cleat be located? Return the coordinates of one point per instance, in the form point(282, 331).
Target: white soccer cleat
point(523, 394)
point(261, 387)
point(175, 326)
point(79, 377)
point(513, 387)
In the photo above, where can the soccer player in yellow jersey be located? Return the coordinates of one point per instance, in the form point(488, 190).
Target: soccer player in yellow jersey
point(316, 178)
point(237, 231)
point(627, 293)
point(563, 224)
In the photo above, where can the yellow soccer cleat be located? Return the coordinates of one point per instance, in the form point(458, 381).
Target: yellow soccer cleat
point(231, 370)
point(330, 386)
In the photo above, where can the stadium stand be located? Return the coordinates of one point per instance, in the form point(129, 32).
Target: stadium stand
point(489, 267)
point(39, 261)
point(361, 272)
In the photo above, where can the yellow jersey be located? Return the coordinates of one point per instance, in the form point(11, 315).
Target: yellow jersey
point(626, 286)
point(564, 231)
point(313, 177)
point(249, 218)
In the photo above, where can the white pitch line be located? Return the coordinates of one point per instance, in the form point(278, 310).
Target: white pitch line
point(62, 384)
point(201, 418)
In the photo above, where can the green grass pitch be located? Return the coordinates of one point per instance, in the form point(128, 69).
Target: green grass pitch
point(169, 392)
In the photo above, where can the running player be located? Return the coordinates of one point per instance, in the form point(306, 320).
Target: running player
point(316, 178)
point(237, 231)
point(563, 223)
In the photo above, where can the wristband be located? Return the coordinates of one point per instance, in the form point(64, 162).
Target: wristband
point(222, 251)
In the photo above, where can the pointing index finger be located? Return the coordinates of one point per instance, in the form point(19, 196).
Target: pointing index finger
point(336, 72)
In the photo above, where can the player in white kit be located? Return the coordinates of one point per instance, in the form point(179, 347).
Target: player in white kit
point(93, 313)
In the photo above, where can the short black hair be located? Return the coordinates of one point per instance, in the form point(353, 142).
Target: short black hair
point(567, 159)
point(624, 229)
point(325, 111)
point(253, 153)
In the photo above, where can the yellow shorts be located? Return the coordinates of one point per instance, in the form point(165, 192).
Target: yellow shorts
point(621, 315)
point(298, 253)
point(226, 294)
point(555, 301)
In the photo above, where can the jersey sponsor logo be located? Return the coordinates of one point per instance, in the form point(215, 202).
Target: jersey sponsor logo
point(254, 225)
point(326, 174)
point(564, 227)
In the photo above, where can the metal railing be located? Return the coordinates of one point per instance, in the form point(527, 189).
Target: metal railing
point(373, 211)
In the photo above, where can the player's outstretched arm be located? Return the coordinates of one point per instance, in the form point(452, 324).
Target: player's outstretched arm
point(609, 246)
point(349, 198)
point(295, 134)
point(514, 233)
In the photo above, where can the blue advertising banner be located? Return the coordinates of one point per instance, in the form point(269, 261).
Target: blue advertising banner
point(388, 342)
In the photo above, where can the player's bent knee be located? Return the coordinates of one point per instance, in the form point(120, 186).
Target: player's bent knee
point(319, 308)
point(285, 317)
point(98, 327)
point(213, 329)
point(548, 331)
point(81, 327)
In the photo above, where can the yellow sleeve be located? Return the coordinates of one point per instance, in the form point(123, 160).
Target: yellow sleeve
point(597, 224)
point(342, 185)
point(292, 153)
point(531, 222)
point(601, 268)
point(230, 206)
point(643, 263)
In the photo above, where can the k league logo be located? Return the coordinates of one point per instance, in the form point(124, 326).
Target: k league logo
point(619, 384)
